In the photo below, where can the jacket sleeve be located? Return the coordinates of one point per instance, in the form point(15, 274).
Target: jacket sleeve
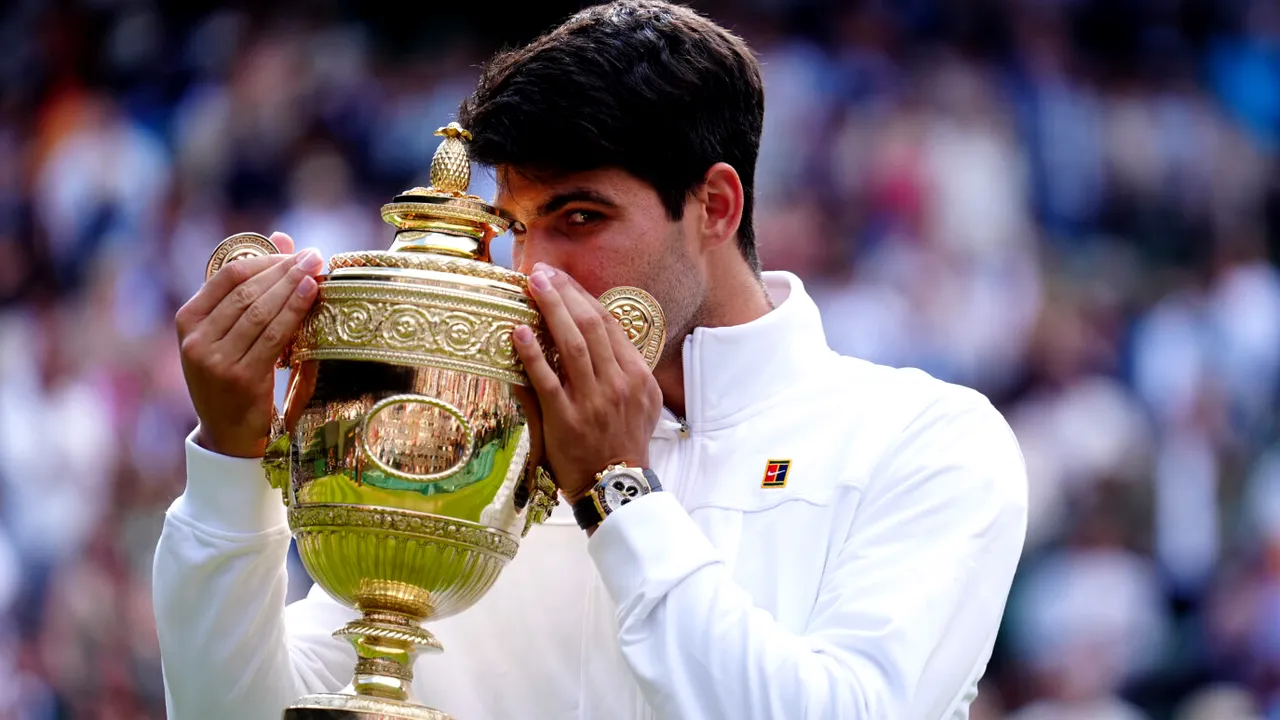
point(933, 546)
point(229, 647)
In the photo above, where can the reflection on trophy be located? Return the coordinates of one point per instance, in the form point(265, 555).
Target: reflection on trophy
point(401, 452)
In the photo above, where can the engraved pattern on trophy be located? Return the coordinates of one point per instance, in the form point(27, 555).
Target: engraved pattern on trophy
point(633, 321)
point(417, 566)
point(445, 210)
point(433, 263)
point(499, 545)
point(641, 319)
point(444, 327)
point(325, 707)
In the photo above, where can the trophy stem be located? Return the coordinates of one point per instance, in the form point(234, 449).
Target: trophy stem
point(386, 642)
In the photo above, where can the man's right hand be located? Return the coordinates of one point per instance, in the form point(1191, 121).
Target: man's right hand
point(231, 333)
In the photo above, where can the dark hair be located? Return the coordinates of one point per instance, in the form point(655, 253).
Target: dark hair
point(651, 88)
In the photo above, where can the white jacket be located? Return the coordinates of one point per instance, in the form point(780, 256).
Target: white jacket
point(870, 586)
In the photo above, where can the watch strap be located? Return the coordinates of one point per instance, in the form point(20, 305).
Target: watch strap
point(586, 512)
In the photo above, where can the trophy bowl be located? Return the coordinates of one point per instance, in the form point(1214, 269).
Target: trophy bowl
point(401, 452)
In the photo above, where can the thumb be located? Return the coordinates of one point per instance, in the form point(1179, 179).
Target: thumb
point(528, 400)
point(533, 417)
point(302, 385)
point(283, 242)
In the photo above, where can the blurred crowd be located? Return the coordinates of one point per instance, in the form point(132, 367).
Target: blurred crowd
point(1071, 205)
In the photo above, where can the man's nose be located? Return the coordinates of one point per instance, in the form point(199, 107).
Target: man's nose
point(529, 253)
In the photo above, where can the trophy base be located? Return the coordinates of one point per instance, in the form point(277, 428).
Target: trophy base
point(335, 706)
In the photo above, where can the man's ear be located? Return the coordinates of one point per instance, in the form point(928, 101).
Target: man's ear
point(722, 197)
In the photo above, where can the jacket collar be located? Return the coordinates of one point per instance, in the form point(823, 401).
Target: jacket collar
point(729, 371)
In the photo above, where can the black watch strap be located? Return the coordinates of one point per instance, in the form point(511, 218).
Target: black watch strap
point(652, 477)
point(588, 514)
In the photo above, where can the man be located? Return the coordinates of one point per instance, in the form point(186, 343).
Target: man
point(832, 539)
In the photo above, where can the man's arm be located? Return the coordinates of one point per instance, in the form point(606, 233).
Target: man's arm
point(931, 552)
point(229, 646)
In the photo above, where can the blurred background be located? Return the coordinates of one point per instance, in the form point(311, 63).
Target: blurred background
point(1070, 205)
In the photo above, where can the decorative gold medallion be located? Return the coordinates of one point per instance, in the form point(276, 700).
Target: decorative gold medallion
point(641, 318)
point(238, 247)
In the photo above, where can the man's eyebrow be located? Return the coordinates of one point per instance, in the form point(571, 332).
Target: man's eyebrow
point(559, 200)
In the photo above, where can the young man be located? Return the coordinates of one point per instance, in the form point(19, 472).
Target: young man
point(832, 539)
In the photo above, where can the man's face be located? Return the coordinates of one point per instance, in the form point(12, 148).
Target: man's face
point(608, 228)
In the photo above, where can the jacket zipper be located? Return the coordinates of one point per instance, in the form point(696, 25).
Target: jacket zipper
point(643, 711)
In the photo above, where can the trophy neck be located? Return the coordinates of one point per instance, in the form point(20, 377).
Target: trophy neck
point(445, 239)
point(459, 225)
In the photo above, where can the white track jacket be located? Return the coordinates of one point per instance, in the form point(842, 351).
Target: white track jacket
point(870, 585)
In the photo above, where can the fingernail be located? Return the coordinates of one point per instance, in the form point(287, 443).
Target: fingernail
point(310, 260)
point(306, 286)
point(540, 280)
point(523, 334)
point(544, 268)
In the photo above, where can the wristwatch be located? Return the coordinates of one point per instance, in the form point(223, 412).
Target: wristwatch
point(615, 486)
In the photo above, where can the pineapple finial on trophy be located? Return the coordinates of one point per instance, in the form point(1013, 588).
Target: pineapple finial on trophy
point(444, 218)
point(450, 166)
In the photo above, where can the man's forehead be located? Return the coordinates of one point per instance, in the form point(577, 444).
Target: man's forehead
point(521, 182)
point(528, 192)
point(517, 186)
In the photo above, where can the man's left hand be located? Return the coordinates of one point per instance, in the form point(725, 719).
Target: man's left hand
point(603, 407)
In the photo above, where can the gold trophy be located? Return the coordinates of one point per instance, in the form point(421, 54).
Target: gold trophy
point(402, 454)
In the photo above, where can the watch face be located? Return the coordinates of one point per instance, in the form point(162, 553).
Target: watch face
point(620, 489)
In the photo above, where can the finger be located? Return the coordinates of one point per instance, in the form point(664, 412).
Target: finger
point(628, 356)
point(528, 400)
point(589, 315)
point(541, 377)
point(239, 301)
point(281, 329)
point(575, 355)
point(254, 320)
point(625, 353)
point(302, 385)
point(283, 242)
point(213, 292)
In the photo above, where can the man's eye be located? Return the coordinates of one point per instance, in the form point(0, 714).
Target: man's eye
point(582, 217)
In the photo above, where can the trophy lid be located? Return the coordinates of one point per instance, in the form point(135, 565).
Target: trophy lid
point(444, 218)
point(442, 230)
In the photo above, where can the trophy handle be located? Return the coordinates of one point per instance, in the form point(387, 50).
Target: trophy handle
point(539, 495)
point(278, 458)
point(641, 318)
point(368, 441)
